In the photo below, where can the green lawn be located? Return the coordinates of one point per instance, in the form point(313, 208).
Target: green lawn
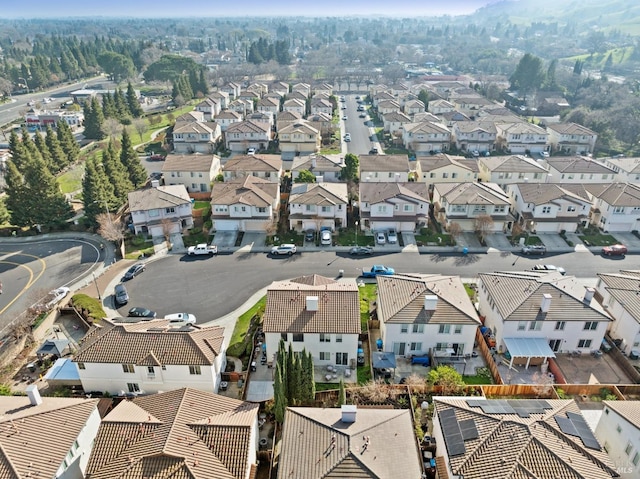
point(368, 294)
point(594, 238)
point(137, 245)
point(474, 380)
point(427, 235)
point(242, 325)
point(364, 374)
point(71, 180)
point(347, 237)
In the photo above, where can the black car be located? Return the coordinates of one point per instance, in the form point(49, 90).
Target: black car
point(309, 235)
point(134, 271)
point(141, 313)
point(361, 250)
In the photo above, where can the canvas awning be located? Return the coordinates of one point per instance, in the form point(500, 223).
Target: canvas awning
point(382, 360)
point(53, 346)
point(528, 348)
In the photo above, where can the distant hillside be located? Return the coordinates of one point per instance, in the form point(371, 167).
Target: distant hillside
point(623, 15)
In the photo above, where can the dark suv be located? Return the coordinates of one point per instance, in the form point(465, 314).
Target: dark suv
point(533, 249)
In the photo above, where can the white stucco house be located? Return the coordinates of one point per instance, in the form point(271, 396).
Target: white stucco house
point(521, 137)
point(195, 172)
point(571, 139)
point(618, 430)
point(505, 170)
point(384, 168)
point(401, 206)
point(157, 210)
point(616, 208)
point(324, 168)
point(579, 169)
point(618, 293)
point(318, 205)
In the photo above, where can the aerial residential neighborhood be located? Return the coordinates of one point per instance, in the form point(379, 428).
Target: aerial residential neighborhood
point(282, 243)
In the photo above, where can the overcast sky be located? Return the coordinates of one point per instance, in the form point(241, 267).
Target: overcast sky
point(217, 8)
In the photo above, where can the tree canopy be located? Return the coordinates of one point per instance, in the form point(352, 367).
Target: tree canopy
point(529, 75)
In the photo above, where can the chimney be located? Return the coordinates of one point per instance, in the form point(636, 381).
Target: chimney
point(155, 183)
point(430, 302)
point(312, 303)
point(546, 302)
point(588, 295)
point(34, 395)
point(349, 412)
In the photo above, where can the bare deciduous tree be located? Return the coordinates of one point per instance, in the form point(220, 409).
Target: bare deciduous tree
point(109, 228)
point(167, 226)
point(483, 225)
point(141, 126)
point(111, 127)
point(454, 229)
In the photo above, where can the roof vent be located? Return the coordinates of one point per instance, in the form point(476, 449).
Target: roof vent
point(349, 413)
point(430, 302)
point(545, 303)
point(34, 395)
point(588, 295)
point(312, 303)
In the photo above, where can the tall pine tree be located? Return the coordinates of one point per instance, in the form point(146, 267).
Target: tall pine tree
point(129, 158)
point(97, 191)
point(132, 102)
point(117, 174)
point(52, 207)
point(44, 152)
point(59, 159)
point(68, 142)
point(93, 120)
point(18, 201)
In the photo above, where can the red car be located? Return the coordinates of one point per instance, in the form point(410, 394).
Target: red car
point(614, 250)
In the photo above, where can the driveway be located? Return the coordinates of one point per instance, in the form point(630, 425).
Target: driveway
point(225, 239)
point(470, 240)
point(253, 240)
point(553, 242)
point(630, 240)
point(498, 241)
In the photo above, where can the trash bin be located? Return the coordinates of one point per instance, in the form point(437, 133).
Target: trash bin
point(465, 250)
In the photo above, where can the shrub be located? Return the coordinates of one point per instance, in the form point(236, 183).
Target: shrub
point(91, 306)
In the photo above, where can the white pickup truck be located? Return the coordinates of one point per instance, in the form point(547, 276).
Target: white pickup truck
point(202, 248)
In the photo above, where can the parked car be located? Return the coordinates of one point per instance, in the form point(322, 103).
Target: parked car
point(121, 295)
point(378, 270)
point(156, 157)
point(380, 238)
point(202, 249)
point(310, 235)
point(361, 250)
point(287, 249)
point(549, 267)
point(181, 318)
point(134, 271)
point(392, 236)
point(251, 151)
point(138, 312)
point(325, 237)
point(533, 249)
point(56, 296)
point(347, 137)
point(614, 250)
point(344, 117)
point(362, 115)
point(373, 151)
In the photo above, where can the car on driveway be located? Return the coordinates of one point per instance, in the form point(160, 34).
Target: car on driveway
point(380, 238)
point(614, 250)
point(361, 251)
point(378, 270)
point(138, 312)
point(549, 267)
point(533, 249)
point(181, 318)
point(325, 237)
point(310, 235)
point(392, 236)
point(284, 249)
point(373, 151)
point(134, 271)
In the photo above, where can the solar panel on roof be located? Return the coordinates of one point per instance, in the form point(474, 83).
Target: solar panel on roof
point(523, 414)
point(476, 402)
point(566, 425)
point(468, 429)
point(455, 445)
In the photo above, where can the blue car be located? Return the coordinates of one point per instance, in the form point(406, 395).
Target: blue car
point(378, 270)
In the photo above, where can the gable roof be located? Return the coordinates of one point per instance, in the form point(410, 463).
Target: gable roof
point(512, 163)
point(316, 443)
point(544, 193)
point(151, 343)
point(322, 163)
point(195, 162)
point(35, 440)
point(411, 191)
point(623, 287)
point(398, 163)
point(249, 190)
point(247, 126)
point(620, 194)
point(396, 116)
point(194, 127)
point(228, 115)
point(428, 127)
point(472, 193)
point(518, 296)
point(442, 160)
point(249, 163)
point(578, 164)
point(299, 127)
point(509, 446)
point(184, 433)
point(289, 115)
point(629, 410)
point(338, 307)
point(401, 299)
point(319, 194)
point(570, 129)
point(152, 198)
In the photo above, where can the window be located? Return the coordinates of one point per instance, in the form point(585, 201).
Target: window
point(418, 328)
point(404, 328)
point(636, 458)
point(444, 329)
point(128, 368)
point(522, 325)
point(458, 208)
point(261, 209)
point(571, 208)
point(164, 367)
point(298, 337)
point(81, 366)
point(151, 370)
point(590, 326)
point(499, 209)
point(284, 337)
point(195, 370)
point(628, 449)
point(325, 338)
point(560, 325)
point(325, 356)
point(618, 428)
point(457, 329)
point(416, 347)
point(546, 209)
point(618, 210)
point(445, 175)
point(584, 343)
point(432, 175)
point(133, 387)
point(535, 325)
point(170, 210)
point(454, 175)
point(338, 338)
point(153, 213)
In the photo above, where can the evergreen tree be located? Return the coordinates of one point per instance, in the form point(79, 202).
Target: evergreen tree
point(52, 206)
point(18, 151)
point(30, 146)
point(59, 160)
point(289, 375)
point(109, 109)
point(4, 213)
point(68, 142)
point(18, 201)
point(279, 396)
point(132, 102)
point(423, 96)
point(44, 151)
point(121, 105)
point(93, 120)
point(342, 394)
point(117, 174)
point(350, 169)
point(203, 85)
point(129, 158)
point(97, 191)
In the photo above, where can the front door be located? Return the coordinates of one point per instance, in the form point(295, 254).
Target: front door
point(342, 358)
point(554, 344)
point(398, 349)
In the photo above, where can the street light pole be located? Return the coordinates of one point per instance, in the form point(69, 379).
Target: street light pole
point(356, 233)
point(95, 281)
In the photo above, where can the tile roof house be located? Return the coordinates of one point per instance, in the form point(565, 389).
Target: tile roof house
point(286, 118)
point(247, 134)
point(521, 137)
point(571, 139)
point(297, 95)
point(294, 104)
point(322, 123)
point(326, 88)
point(303, 88)
point(515, 439)
point(579, 169)
point(156, 209)
point(321, 106)
point(245, 204)
point(440, 106)
point(242, 106)
point(196, 136)
point(412, 107)
point(618, 293)
point(505, 170)
point(46, 436)
point(279, 87)
point(384, 168)
point(443, 168)
point(179, 434)
point(393, 122)
point(299, 138)
point(210, 107)
point(150, 356)
point(402, 206)
point(628, 168)
point(381, 96)
point(221, 97)
point(557, 312)
point(348, 442)
point(548, 207)
point(318, 205)
point(426, 314)
point(269, 105)
point(616, 208)
point(479, 136)
point(463, 203)
point(388, 106)
point(268, 167)
point(232, 89)
point(426, 137)
point(228, 117)
point(618, 430)
point(315, 313)
point(324, 167)
point(195, 172)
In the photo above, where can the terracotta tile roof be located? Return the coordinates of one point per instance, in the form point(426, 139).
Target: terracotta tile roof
point(193, 162)
point(518, 295)
point(579, 164)
point(629, 410)
point(512, 447)
point(270, 163)
point(249, 190)
point(35, 440)
point(338, 307)
point(543, 193)
point(401, 299)
point(152, 198)
point(307, 451)
point(472, 193)
point(379, 192)
point(149, 343)
point(319, 194)
point(571, 129)
point(184, 433)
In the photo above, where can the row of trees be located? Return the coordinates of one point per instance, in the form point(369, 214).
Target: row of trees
point(293, 383)
point(262, 51)
point(118, 106)
point(188, 86)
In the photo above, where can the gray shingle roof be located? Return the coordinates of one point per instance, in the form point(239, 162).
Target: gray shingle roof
point(248, 190)
point(472, 193)
point(384, 163)
point(152, 198)
point(193, 162)
point(377, 192)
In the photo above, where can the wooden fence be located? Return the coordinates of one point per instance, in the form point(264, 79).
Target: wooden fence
point(621, 360)
point(557, 373)
point(488, 357)
point(587, 391)
point(523, 391)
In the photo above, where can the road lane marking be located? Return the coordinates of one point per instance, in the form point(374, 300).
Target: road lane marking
point(24, 289)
